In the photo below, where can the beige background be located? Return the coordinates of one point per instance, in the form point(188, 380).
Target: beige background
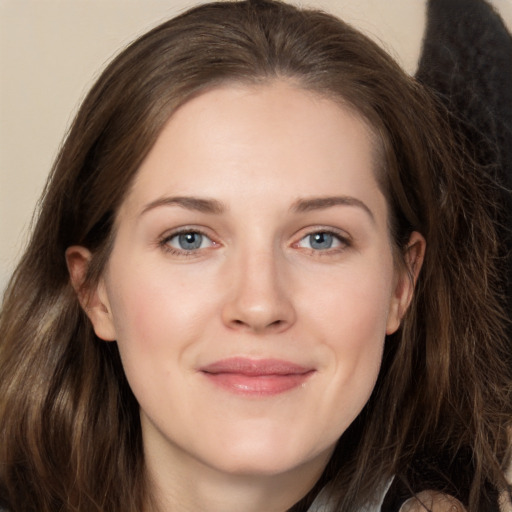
point(51, 50)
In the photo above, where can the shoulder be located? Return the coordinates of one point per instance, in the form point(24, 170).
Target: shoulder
point(432, 501)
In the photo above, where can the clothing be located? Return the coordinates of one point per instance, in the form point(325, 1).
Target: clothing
point(320, 504)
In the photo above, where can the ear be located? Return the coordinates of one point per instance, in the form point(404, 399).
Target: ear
point(94, 300)
point(406, 281)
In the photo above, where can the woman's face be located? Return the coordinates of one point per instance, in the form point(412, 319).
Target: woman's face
point(251, 282)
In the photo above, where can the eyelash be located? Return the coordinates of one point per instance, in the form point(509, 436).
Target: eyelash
point(344, 241)
point(164, 242)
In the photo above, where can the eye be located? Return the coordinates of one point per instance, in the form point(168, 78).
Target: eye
point(322, 241)
point(187, 241)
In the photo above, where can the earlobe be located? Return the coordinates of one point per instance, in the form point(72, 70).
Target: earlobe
point(93, 299)
point(406, 282)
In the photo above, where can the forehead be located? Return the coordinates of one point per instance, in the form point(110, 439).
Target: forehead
point(236, 138)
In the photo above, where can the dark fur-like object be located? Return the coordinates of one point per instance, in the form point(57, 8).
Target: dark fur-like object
point(466, 61)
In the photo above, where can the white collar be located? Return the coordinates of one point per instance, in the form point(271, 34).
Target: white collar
point(321, 503)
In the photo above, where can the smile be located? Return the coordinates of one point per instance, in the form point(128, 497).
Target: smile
point(256, 377)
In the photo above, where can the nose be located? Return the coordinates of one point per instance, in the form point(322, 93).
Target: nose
point(260, 296)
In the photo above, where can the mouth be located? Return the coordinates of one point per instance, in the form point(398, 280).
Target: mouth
point(256, 377)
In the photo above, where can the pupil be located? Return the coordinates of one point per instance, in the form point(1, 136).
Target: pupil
point(321, 241)
point(190, 241)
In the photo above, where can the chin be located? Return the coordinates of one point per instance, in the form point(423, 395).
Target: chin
point(267, 459)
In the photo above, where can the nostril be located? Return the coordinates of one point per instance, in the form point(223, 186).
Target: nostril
point(276, 324)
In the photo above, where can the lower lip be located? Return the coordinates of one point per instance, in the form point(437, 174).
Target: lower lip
point(258, 385)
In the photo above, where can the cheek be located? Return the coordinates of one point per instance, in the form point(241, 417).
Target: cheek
point(150, 299)
point(157, 319)
point(352, 307)
point(357, 343)
point(352, 318)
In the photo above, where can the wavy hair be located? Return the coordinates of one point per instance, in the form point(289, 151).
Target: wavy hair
point(69, 424)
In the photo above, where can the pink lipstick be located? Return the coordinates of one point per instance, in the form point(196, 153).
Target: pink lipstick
point(257, 377)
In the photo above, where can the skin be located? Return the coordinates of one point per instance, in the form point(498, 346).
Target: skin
point(432, 501)
point(259, 286)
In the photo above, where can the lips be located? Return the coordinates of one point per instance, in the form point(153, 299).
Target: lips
point(257, 377)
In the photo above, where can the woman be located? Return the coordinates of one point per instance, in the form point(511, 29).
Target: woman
point(262, 279)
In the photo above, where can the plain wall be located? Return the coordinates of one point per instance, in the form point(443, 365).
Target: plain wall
point(51, 51)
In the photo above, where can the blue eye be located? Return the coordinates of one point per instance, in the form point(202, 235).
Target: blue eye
point(188, 241)
point(321, 241)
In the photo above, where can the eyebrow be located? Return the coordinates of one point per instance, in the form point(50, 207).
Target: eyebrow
point(212, 206)
point(320, 203)
point(190, 203)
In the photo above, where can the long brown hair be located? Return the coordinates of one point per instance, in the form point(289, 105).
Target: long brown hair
point(70, 432)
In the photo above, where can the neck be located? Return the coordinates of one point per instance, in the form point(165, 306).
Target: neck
point(250, 494)
point(188, 485)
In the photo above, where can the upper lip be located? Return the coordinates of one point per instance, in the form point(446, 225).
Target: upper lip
point(255, 367)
